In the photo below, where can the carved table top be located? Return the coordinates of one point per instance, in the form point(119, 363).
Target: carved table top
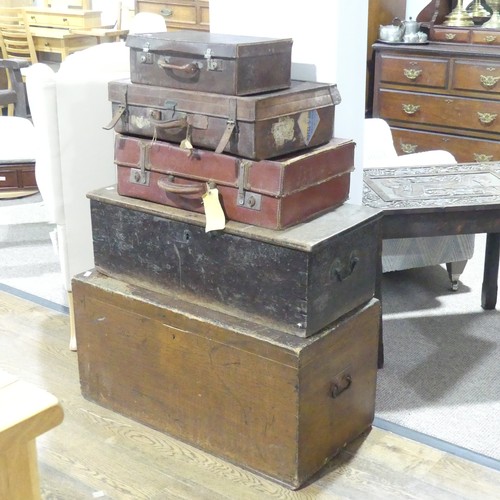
point(447, 186)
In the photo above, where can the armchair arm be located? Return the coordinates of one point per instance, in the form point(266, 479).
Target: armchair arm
point(17, 93)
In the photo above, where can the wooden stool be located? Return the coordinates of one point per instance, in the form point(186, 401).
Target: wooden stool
point(25, 413)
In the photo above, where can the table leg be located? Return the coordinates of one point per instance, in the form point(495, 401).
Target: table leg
point(378, 295)
point(490, 276)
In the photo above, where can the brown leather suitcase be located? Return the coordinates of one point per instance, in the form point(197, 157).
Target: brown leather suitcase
point(269, 193)
point(298, 280)
point(271, 403)
point(256, 127)
point(210, 62)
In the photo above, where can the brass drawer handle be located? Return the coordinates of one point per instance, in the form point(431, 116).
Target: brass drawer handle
point(166, 12)
point(486, 118)
point(410, 109)
point(489, 80)
point(408, 148)
point(450, 36)
point(490, 38)
point(480, 157)
point(411, 73)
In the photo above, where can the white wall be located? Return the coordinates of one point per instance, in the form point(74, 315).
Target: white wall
point(329, 45)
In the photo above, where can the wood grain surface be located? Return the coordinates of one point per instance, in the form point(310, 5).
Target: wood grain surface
point(96, 453)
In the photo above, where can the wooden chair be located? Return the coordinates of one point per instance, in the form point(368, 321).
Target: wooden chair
point(15, 95)
point(18, 145)
point(16, 41)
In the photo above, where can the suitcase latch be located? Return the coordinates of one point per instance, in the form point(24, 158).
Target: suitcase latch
point(245, 198)
point(140, 175)
point(213, 64)
point(146, 57)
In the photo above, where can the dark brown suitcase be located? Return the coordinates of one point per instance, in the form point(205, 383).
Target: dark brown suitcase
point(210, 62)
point(298, 280)
point(257, 127)
point(269, 402)
point(269, 193)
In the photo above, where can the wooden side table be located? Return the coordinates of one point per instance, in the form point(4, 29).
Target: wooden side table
point(26, 412)
point(436, 201)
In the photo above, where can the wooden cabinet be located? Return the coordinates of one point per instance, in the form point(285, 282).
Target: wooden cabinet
point(180, 14)
point(440, 96)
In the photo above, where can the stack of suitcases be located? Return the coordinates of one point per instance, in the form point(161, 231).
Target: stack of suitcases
point(232, 303)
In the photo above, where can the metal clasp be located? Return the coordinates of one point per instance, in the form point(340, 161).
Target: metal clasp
point(212, 64)
point(245, 198)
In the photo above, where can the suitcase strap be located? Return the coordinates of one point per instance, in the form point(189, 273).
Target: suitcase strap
point(230, 124)
point(118, 114)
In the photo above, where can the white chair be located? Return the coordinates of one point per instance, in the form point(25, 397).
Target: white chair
point(75, 153)
point(17, 145)
point(407, 253)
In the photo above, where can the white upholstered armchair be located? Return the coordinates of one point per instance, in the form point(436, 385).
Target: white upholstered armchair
point(407, 253)
point(75, 154)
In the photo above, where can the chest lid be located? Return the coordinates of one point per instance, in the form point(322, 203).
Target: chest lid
point(208, 44)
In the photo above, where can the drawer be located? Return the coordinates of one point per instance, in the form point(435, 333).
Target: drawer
point(485, 37)
point(88, 19)
point(444, 111)
point(8, 179)
point(476, 76)
point(63, 45)
point(28, 179)
point(448, 34)
point(204, 16)
point(464, 149)
point(414, 71)
point(172, 12)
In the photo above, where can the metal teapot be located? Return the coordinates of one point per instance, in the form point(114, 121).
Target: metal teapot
point(392, 32)
point(411, 27)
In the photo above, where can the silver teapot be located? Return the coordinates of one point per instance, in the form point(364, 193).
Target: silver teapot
point(392, 32)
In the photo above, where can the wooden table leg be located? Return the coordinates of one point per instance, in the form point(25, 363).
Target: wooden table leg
point(378, 295)
point(490, 276)
point(26, 412)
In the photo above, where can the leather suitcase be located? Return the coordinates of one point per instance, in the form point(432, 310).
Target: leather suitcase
point(274, 404)
point(269, 193)
point(256, 127)
point(298, 280)
point(210, 62)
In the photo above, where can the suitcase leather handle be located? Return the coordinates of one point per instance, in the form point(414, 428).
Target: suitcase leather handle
point(191, 69)
point(170, 186)
point(179, 123)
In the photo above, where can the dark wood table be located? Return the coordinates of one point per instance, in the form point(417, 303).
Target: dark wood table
point(436, 201)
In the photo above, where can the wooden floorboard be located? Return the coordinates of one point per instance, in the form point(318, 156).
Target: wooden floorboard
point(96, 453)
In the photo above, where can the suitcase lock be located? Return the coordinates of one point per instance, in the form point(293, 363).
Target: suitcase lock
point(245, 198)
point(213, 64)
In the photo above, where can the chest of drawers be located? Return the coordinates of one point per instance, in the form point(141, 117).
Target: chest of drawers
point(440, 96)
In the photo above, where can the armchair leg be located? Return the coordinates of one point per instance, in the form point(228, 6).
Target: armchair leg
point(455, 269)
point(72, 334)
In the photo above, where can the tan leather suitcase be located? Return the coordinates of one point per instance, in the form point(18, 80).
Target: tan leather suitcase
point(274, 193)
point(256, 127)
point(277, 405)
point(210, 62)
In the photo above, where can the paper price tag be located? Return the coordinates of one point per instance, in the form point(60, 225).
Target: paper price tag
point(215, 218)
